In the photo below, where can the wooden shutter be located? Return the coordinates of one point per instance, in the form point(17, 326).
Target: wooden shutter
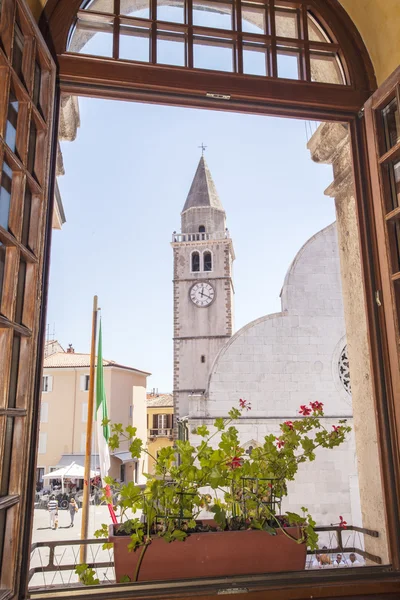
point(26, 123)
point(155, 421)
point(169, 421)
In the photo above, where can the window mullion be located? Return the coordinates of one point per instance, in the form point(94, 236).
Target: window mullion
point(273, 61)
point(237, 16)
point(116, 28)
point(305, 59)
point(189, 21)
point(153, 35)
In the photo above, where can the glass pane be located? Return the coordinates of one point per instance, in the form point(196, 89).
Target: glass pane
point(394, 240)
point(2, 267)
point(12, 118)
point(37, 82)
point(93, 36)
point(32, 148)
point(20, 291)
point(393, 170)
point(3, 514)
point(5, 195)
point(137, 8)
point(106, 6)
point(134, 43)
point(26, 218)
point(6, 456)
point(286, 23)
point(255, 61)
point(391, 124)
point(212, 14)
point(326, 68)
point(288, 65)
point(171, 50)
point(253, 20)
point(18, 51)
point(218, 57)
point(175, 13)
point(12, 394)
point(315, 31)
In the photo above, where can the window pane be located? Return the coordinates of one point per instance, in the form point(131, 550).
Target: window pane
point(12, 118)
point(18, 50)
point(5, 195)
point(195, 262)
point(326, 68)
point(6, 457)
point(37, 83)
point(20, 292)
point(134, 43)
point(105, 6)
point(394, 238)
point(171, 50)
point(253, 20)
point(393, 173)
point(12, 394)
point(93, 36)
point(26, 218)
point(288, 65)
point(315, 31)
point(207, 261)
point(286, 23)
point(32, 148)
point(175, 13)
point(255, 61)
point(2, 267)
point(210, 55)
point(212, 14)
point(391, 124)
point(135, 8)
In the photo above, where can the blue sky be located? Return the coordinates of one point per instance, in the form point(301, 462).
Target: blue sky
point(127, 177)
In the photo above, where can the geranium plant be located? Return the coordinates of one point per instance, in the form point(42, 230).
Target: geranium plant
point(216, 485)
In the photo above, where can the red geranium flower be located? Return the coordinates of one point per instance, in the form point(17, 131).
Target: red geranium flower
point(280, 443)
point(289, 424)
point(235, 463)
point(336, 428)
point(316, 406)
point(270, 485)
point(343, 523)
point(305, 410)
point(244, 404)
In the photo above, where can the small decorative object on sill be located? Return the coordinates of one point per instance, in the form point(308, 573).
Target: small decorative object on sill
point(217, 503)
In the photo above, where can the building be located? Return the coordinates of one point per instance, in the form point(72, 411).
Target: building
point(64, 406)
point(160, 424)
point(366, 35)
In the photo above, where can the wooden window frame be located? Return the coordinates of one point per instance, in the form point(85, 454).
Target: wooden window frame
point(103, 78)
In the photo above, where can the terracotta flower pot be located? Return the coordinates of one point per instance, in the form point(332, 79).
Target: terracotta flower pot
point(211, 554)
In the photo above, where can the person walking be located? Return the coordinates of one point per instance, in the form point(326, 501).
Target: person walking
point(52, 507)
point(73, 508)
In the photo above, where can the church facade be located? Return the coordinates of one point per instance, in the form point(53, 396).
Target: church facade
point(276, 362)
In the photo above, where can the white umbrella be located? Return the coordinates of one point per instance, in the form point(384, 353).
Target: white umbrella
point(73, 471)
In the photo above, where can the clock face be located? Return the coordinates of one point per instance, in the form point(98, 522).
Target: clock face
point(202, 294)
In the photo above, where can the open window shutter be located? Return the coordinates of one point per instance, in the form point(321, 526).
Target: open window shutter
point(23, 309)
point(82, 381)
point(44, 412)
point(169, 421)
point(155, 421)
point(50, 383)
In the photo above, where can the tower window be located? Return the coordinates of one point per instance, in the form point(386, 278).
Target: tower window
point(202, 229)
point(203, 358)
point(195, 261)
point(207, 261)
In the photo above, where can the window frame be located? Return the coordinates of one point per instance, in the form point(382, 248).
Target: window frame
point(80, 75)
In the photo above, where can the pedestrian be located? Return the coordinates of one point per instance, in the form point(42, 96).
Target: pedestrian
point(73, 508)
point(353, 560)
point(52, 507)
point(339, 561)
point(316, 564)
point(325, 558)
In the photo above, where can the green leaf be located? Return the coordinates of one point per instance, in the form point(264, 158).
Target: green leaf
point(179, 535)
point(219, 423)
point(125, 579)
point(202, 431)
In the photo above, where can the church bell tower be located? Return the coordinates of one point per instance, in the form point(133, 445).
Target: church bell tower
point(203, 289)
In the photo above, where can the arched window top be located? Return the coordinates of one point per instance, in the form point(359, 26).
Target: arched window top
point(195, 261)
point(207, 261)
point(202, 229)
point(278, 39)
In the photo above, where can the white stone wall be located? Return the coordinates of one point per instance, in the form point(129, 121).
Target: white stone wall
point(290, 358)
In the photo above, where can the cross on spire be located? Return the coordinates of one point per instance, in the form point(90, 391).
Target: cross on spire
point(203, 147)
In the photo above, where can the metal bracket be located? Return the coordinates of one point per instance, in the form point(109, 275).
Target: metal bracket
point(377, 298)
point(218, 96)
point(361, 113)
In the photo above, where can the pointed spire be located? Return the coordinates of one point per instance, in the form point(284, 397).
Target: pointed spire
point(203, 192)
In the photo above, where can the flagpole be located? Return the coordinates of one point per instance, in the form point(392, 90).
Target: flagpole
point(89, 429)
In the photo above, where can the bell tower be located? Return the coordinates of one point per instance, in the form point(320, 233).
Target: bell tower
point(203, 289)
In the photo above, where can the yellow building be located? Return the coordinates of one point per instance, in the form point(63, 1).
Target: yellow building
point(64, 407)
point(160, 423)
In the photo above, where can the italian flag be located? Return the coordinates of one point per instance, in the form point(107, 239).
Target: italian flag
point(103, 431)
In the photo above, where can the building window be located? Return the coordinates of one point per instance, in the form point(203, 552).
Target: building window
point(207, 261)
point(203, 358)
point(5, 195)
point(195, 262)
point(84, 412)
point(202, 229)
point(85, 380)
point(44, 412)
point(83, 442)
point(131, 411)
point(47, 385)
point(122, 473)
point(42, 443)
